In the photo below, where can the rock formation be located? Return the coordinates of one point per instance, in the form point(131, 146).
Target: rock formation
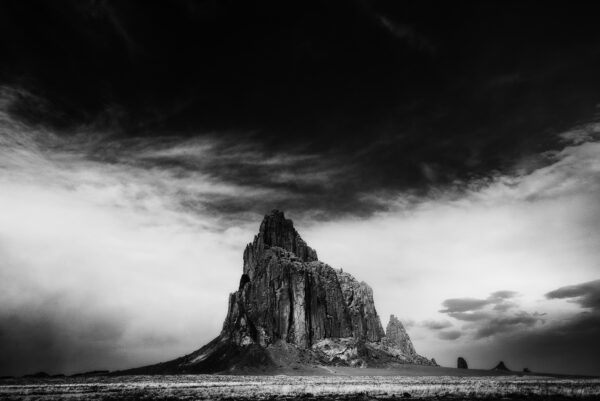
point(501, 367)
point(461, 363)
point(396, 336)
point(286, 294)
point(292, 308)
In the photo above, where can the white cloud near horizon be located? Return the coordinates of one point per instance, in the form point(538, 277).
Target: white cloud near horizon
point(100, 263)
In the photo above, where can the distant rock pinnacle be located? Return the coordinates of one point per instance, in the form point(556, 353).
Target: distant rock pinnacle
point(502, 367)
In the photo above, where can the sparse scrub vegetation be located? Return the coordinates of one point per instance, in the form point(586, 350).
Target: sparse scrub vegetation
point(238, 388)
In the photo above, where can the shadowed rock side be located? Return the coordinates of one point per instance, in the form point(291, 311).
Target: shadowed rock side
point(290, 308)
point(461, 363)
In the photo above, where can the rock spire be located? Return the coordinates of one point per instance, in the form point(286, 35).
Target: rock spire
point(396, 335)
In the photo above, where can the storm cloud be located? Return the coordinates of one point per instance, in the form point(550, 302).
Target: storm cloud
point(366, 96)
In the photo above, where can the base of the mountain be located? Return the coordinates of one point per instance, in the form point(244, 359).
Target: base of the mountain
point(222, 356)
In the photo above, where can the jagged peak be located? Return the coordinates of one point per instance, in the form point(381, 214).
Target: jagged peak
point(397, 336)
point(276, 231)
point(394, 326)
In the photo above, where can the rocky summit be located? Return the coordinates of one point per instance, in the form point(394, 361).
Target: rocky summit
point(292, 309)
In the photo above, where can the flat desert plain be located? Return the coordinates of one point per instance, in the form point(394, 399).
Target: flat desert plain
point(337, 384)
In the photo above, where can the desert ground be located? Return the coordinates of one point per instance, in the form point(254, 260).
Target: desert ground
point(335, 383)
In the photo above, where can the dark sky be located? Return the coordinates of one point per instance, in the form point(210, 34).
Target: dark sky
point(446, 152)
point(459, 89)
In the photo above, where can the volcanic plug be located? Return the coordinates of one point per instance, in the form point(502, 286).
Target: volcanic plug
point(292, 309)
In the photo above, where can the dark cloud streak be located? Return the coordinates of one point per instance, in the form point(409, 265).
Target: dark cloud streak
point(466, 306)
point(436, 325)
point(492, 316)
point(586, 294)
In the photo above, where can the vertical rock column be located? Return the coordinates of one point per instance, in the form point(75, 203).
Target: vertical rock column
point(397, 336)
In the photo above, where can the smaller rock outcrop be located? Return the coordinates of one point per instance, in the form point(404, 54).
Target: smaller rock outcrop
point(397, 343)
point(396, 336)
point(526, 370)
point(461, 363)
point(38, 375)
point(501, 367)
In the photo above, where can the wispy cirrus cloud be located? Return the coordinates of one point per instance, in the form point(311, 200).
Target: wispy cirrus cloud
point(436, 324)
point(450, 334)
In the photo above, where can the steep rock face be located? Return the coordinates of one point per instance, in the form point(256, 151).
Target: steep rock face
point(396, 336)
point(286, 299)
point(359, 300)
point(461, 363)
point(287, 294)
point(291, 308)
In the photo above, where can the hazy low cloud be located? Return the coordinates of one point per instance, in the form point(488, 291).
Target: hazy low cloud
point(501, 295)
point(450, 334)
point(436, 324)
point(463, 305)
point(109, 264)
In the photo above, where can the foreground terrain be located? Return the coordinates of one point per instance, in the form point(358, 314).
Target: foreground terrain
point(335, 386)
